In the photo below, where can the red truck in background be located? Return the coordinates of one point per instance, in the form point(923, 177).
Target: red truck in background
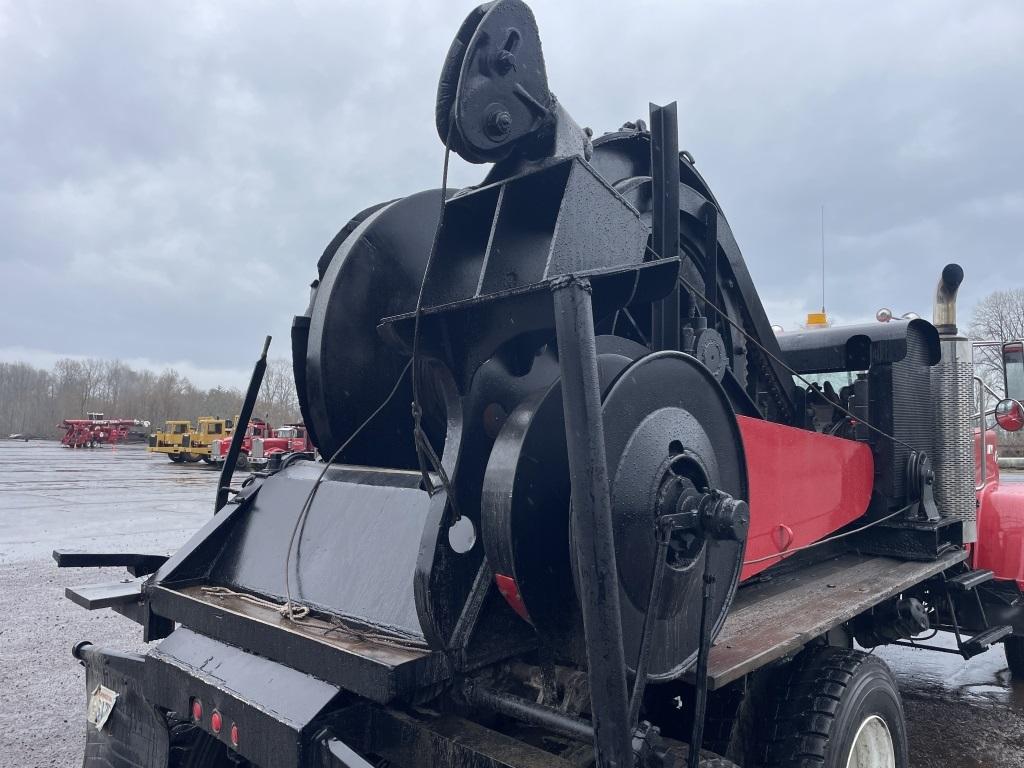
point(290, 438)
point(94, 429)
point(262, 441)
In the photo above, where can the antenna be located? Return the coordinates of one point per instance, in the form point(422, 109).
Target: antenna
point(823, 258)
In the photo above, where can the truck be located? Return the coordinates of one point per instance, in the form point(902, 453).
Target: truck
point(255, 433)
point(576, 503)
point(285, 440)
point(183, 443)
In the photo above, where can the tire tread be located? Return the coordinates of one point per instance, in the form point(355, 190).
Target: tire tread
point(806, 708)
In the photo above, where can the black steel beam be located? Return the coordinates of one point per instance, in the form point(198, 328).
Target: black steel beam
point(137, 564)
point(224, 487)
point(665, 224)
point(592, 521)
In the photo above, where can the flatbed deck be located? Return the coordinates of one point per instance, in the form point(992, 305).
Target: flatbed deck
point(774, 618)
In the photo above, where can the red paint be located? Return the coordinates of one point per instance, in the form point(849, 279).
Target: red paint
point(1000, 546)
point(257, 428)
point(1010, 415)
point(803, 486)
point(79, 433)
point(510, 591)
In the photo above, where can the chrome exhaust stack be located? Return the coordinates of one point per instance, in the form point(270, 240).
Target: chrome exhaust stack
point(952, 391)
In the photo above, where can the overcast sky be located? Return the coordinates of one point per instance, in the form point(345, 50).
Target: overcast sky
point(171, 171)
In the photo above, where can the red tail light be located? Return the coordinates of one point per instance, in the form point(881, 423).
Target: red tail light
point(216, 721)
point(197, 710)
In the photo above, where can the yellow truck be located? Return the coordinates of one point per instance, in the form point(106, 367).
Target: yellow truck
point(182, 442)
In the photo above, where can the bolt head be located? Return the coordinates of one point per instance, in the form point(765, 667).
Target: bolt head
point(498, 124)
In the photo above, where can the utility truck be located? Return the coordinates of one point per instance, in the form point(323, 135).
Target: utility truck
point(578, 505)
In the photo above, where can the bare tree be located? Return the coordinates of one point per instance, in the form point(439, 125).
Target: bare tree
point(997, 317)
point(34, 400)
point(278, 402)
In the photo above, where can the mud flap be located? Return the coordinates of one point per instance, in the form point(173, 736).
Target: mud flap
point(123, 730)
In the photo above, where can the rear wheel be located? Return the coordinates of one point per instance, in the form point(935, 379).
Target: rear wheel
point(177, 458)
point(1013, 647)
point(839, 709)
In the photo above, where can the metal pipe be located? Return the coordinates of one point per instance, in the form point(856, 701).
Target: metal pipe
point(944, 309)
point(984, 433)
point(700, 687)
point(592, 521)
point(248, 404)
point(501, 703)
point(653, 601)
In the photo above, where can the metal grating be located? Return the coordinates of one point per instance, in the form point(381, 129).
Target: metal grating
point(953, 456)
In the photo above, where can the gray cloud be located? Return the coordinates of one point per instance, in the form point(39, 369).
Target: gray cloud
point(171, 171)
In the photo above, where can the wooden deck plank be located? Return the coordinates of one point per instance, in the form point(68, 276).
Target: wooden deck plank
point(772, 619)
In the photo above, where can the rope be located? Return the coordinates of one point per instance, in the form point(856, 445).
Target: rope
point(302, 613)
point(425, 453)
point(289, 611)
point(300, 521)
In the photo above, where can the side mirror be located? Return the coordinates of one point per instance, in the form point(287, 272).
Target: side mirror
point(1013, 369)
point(1010, 415)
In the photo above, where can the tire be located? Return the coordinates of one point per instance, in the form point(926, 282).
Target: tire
point(190, 458)
point(839, 709)
point(1013, 647)
point(177, 458)
point(207, 460)
point(242, 462)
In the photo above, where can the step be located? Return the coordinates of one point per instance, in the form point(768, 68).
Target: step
point(137, 563)
point(984, 640)
point(93, 597)
point(965, 582)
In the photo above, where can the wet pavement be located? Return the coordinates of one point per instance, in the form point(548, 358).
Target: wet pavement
point(961, 714)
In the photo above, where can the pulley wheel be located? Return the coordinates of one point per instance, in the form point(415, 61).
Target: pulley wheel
point(667, 424)
point(670, 431)
point(525, 504)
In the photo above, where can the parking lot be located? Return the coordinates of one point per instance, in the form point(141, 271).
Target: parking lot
point(963, 714)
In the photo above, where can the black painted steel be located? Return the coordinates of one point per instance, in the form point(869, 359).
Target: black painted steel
point(623, 158)
point(493, 93)
point(667, 422)
point(477, 694)
point(594, 544)
point(665, 320)
point(700, 689)
point(525, 505)
point(224, 487)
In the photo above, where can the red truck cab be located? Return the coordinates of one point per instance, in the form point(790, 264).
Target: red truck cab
point(290, 438)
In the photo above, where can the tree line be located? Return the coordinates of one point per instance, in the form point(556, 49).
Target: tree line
point(34, 401)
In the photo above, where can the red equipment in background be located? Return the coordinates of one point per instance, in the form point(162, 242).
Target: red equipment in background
point(290, 438)
point(95, 429)
point(257, 429)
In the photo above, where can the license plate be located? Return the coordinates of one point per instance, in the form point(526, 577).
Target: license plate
point(101, 704)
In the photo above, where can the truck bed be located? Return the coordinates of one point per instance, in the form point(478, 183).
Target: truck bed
point(774, 618)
